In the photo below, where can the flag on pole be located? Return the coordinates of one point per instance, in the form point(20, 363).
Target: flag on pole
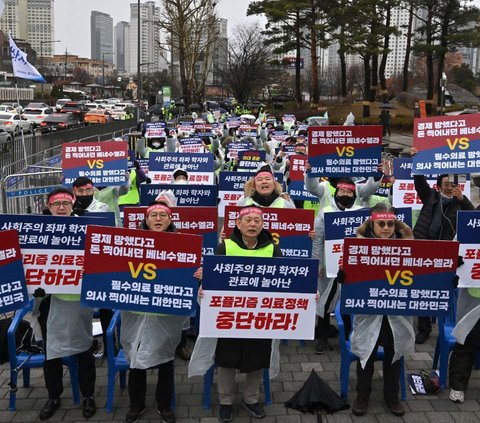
point(21, 67)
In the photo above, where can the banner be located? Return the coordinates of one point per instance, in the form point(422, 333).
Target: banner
point(155, 130)
point(105, 163)
point(191, 145)
point(468, 231)
point(167, 95)
point(249, 160)
point(143, 271)
point(344, 150)
point(52, 249)
point(22, 68)
point(251, 297)
point(447, 144)
point(342, 224)
point(13, 289)
point(187, 195)
point(296, 186)
point(404, 193)
point(289, 228)
point(398, 277)
point(199, 167)
point(189, 220)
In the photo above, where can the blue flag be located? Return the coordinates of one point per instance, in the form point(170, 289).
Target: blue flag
point(21, 67)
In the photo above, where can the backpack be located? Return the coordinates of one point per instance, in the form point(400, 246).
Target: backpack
point(23, 337)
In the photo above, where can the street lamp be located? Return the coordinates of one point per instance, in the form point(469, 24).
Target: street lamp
point(443, 86)
point(41, 53)
point(103, 70)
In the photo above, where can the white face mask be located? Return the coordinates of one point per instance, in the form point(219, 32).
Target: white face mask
point(180, 182)
point(155, 144)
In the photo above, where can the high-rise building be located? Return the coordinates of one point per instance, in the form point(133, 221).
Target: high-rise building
point(122, 45)
point(101, 30)
point(32, 21)
point(151, 59)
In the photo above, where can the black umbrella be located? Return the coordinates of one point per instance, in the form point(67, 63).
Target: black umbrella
point(194, 107)
point(316, 396)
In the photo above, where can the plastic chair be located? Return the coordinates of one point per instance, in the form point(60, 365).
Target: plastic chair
point(118, 363)
point(346, 357)
point(208, 383)
point(25, 361)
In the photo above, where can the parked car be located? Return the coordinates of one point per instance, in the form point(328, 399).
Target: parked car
point(4, 138)
point(13, 105)
point(37, 106)
point(58, 122)
point(98, 116)
point(76, 108)
point(60, 102)
point(14, 123)
point(4, 108)
point(37, 114)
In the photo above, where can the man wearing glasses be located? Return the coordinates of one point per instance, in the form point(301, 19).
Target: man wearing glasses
point(66, 330)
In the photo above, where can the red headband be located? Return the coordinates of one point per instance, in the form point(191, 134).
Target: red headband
point(60, 197)
point(383, 216)
point(263, 174)
point(158, 207)
point(344, 185)
point(249, 210)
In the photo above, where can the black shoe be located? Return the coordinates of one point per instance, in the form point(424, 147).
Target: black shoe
point(225, 413)
point(394, 406)
point(134, 415)
point(360, 406)
point(321, 346)
point(167, 416)
point(421, 337)
point(255, 410)
point(49, 409)
point(89, 408)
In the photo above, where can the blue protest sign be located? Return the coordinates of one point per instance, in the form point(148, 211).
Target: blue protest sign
point(187, 195)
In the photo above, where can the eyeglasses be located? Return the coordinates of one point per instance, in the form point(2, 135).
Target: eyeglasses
point(61, 203)
point(158, 215)
point(382, 223)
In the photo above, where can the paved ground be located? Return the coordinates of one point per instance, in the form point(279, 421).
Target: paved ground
point(296, 363)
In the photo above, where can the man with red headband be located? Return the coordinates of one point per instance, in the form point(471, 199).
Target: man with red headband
point(66, 330)
point(249, 356)
point(342, 200)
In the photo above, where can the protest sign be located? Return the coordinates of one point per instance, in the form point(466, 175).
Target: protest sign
point(245, 130)
point(289, 228)
point(105, 163)
point(398, 277)
point(447, 144)
point(342, 224)
point(199, 167)
point(188, 220)
point(296, 186)
point(203, 129)
point(191, 145)
point(187, 195)
point(235, 147)
point(155, 130)
point(404, 193)
point(13, 289)
point(52, 249)
point(344, 150)
point(252, 297)
point(139, 270)
point(468, 234)
point(249, 160)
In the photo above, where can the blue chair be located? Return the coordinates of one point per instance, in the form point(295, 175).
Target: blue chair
point(25, 361)
point(208, 383)
point(118, 363)
point(346, 357)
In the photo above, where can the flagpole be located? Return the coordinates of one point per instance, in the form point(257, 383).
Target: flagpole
point(21, 127)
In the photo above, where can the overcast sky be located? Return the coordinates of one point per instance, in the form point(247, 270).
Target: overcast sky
point(72, 23)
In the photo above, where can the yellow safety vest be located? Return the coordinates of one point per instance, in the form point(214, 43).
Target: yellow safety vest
point(132, 196)
point(233, 249)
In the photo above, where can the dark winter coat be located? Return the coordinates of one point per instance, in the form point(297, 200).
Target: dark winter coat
point(247, 355)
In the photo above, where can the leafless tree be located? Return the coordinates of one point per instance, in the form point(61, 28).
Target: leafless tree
point(248, 66)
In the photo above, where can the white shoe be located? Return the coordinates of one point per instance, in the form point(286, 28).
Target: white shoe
point(456, 396)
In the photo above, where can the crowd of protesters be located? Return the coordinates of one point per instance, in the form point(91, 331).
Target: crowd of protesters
point(152, 340)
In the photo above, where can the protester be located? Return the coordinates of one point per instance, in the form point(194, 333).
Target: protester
point(467, 336)
point(343, 200)
point(437, 220)
point(66, 331)
point(150, 339)
point(136, 178)
point(249, 356)
point(263, 191)
point(394, 333)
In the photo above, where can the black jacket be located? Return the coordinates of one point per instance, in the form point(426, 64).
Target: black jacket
point(246, 355)
point(430, 199)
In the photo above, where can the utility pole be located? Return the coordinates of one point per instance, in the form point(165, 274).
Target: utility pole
point(66, 61)
point(139, 76)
